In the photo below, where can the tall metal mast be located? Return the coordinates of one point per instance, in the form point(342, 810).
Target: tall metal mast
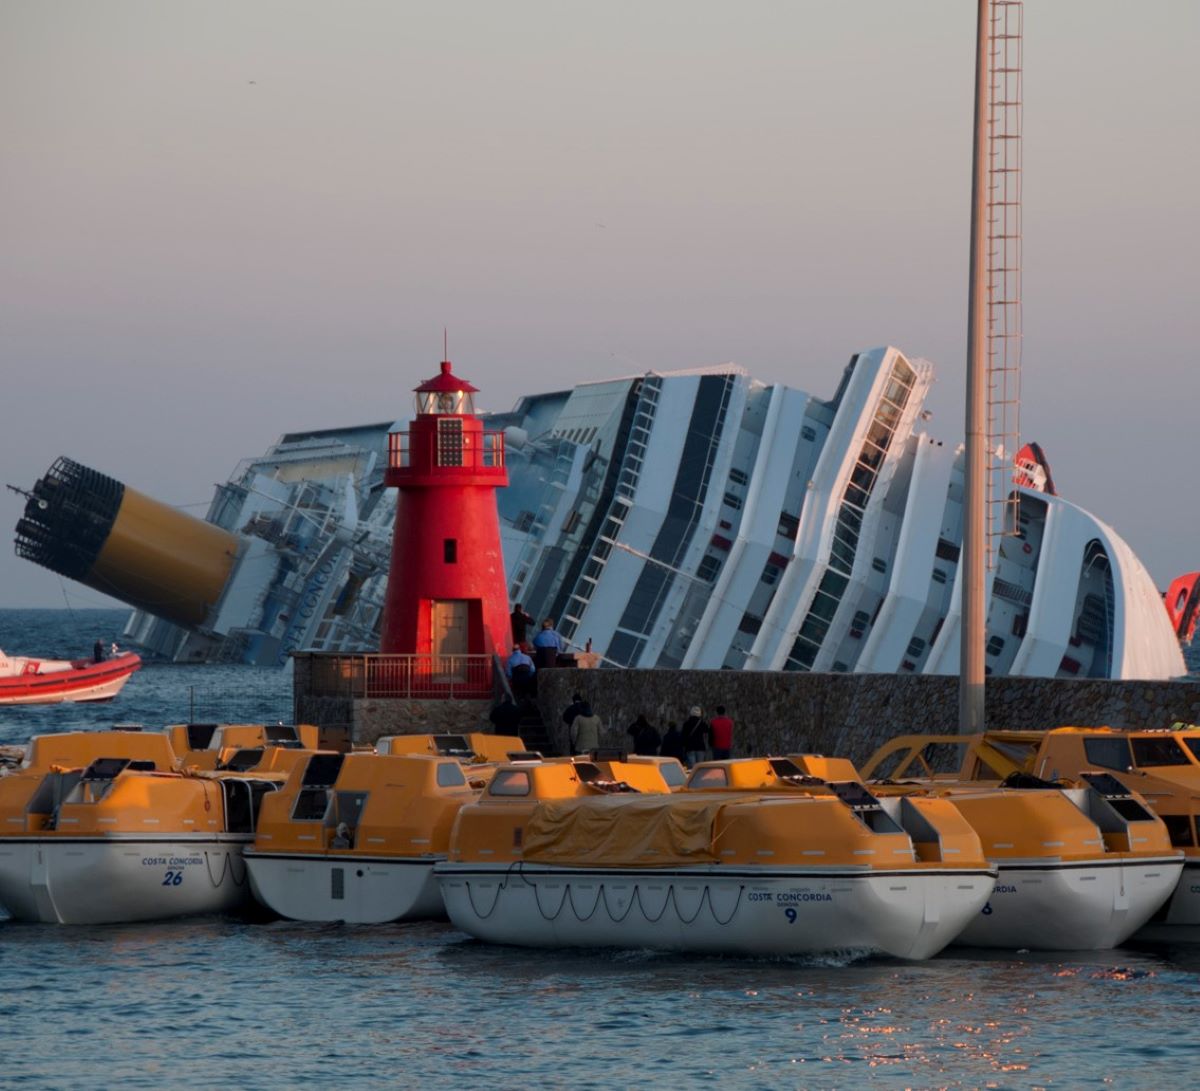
point(993, 331)
point(971, 669)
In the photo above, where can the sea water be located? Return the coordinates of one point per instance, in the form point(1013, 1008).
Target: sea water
point(226, 1002)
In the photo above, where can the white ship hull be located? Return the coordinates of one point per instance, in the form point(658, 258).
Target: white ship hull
point(782, 912)
point(111, 880)
point(1071, 907)
point(355, 890)
point(1181, 922)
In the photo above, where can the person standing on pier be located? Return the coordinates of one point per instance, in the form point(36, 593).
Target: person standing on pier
point(695, 736)
point(722, 735)
point(520, 621)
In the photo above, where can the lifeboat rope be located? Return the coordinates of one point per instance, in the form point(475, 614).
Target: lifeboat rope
point(227, 866)
point(602, 896)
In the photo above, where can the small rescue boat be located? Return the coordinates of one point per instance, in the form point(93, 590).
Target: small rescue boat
point(354, 837)
point(100, 827)
point(29, 681)
point(600, 853)
point(1082, 865)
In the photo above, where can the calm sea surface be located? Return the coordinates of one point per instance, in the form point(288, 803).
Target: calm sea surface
point(217, 1002)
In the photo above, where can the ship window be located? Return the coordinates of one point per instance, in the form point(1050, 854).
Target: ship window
point(808, 433)
point(789, 525)
point(916, 647)
point(750, 623)
point(879, 564)
point(947, 550)
point(939, 576)
point(708, 568)
point(337, 884)
point(1108, 753)
point(571, 522)
point(510, 782)
point(450, 442)
point(450, 775)
point(450, 550)
point(1149, 752)
point(733, 501)
point(770, 573)
point(737, 476)
point(713, 777)
point(995, 645)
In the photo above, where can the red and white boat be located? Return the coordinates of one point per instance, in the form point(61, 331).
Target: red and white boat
point(27, 681)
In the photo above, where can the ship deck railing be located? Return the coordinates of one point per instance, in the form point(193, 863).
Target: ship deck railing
point(401, 676)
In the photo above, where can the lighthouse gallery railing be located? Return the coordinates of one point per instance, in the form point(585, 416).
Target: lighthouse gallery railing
point(438, 676)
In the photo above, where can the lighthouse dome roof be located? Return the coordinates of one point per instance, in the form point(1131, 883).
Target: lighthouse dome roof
point(446, 382)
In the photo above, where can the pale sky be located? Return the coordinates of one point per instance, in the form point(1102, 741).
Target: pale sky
point(228, 219)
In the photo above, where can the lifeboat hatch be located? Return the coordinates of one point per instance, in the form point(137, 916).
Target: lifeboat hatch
point(866, 808)
point(284, 735)
point(199, 736)
point(55, 787)
point(322, 770)
point(453, 746)
point(1110, 805)
point(243, 760)
point(242, 801)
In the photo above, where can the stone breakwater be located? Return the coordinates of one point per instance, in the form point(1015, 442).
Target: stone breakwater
point(850, 715)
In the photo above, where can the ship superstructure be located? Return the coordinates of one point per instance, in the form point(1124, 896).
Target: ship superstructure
point(697, 519)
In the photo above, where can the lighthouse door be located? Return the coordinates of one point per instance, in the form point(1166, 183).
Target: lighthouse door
point(450, 637)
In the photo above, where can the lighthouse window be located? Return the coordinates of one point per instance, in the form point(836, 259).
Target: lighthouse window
point(450, 550)
point(450, 442)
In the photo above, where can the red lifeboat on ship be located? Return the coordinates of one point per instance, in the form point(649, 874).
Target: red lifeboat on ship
point(28, 681)
point(1182, 601)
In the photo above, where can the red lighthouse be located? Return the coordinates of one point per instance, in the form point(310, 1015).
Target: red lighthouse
point(446, 596)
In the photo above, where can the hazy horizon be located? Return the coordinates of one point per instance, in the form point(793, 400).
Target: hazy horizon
point(225, 221)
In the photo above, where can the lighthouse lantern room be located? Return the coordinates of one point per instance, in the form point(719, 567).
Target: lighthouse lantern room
point(447, 601)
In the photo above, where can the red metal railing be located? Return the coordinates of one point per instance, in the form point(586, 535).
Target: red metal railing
point(476, 451)
point(432, 676)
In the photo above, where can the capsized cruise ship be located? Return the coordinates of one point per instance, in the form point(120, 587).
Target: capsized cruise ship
point(696, 519)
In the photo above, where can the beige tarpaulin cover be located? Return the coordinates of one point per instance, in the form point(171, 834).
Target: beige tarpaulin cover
point(622, 831)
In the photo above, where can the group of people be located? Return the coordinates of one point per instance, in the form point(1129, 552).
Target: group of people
point(689, 743)
point(547, 645)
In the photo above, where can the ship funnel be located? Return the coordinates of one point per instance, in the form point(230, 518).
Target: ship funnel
point(94, 529)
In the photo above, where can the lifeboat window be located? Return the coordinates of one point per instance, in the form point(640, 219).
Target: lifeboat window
point(322, 770)
point(1108, 753)
point(510, 782)
point(282, 735)
point(450, 775)
point(348, 808)
point(1131, 810)
point(672, 774)
point(587, 772)
point(784, 767)
point(200, 735)
point(866, 808)
point(311, 805)
point(1179, 826)
point(453, 746)
point(337, 884)
point(243, 760)
point(1149, 752)
point(104, 768)
point(715, 776)
point(1192, 742)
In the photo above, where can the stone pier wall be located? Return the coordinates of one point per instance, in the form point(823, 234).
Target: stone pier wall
point(850, 715)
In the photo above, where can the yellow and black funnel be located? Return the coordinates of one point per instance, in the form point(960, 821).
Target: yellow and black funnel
point(92, 528)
